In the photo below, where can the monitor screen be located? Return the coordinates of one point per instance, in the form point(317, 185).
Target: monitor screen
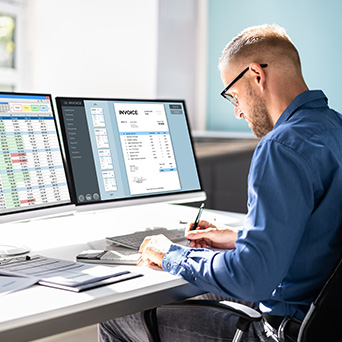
point(33, 179)
point(124, 152)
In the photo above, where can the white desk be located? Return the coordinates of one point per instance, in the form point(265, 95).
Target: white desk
point(41, 311)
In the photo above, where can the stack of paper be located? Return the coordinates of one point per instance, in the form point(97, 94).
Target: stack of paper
point(62, 274)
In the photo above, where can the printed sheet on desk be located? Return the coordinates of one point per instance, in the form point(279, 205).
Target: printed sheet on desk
point(11, 284)
point(63, 274)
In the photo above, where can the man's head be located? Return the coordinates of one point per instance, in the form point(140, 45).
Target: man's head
point(261, 70)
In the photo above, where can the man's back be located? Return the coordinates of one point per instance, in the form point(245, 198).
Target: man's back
point(301, 160)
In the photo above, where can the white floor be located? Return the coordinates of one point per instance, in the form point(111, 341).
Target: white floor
point(87, 334)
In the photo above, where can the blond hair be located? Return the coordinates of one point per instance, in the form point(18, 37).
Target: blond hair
point(260, 44)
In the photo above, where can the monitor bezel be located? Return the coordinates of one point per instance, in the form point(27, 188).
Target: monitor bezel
point(43, 210)
point(170, 197)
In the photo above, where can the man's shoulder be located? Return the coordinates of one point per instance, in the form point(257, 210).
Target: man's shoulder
point(306, 124)
point(308, 132)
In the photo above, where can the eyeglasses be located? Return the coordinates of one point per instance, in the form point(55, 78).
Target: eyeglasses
point(232, 99)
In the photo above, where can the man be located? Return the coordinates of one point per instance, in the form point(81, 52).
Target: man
point(291, 239)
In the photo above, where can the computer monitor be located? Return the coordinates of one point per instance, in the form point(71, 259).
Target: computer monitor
point(127, 152)
point(33, 181)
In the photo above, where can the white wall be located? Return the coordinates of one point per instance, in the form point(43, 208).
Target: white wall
point(119, 48)
point(104, 48)
point(182, 55)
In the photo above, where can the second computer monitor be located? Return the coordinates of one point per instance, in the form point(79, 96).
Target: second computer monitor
point(33, 180)
point(125, 152)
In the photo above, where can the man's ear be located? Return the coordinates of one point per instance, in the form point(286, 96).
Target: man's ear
point(258, 74)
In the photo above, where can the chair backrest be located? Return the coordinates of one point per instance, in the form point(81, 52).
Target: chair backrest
point(324, 320)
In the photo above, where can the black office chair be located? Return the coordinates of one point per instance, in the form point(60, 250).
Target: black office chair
point(322, 322)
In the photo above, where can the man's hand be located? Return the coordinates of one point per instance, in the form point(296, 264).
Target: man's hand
point(206, 234)
point(154, 248)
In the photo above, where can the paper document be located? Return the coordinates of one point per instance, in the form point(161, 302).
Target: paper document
point(11, 284)
point(63, 274)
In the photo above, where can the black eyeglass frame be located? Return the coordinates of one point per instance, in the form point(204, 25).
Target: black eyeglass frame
point(229, 97)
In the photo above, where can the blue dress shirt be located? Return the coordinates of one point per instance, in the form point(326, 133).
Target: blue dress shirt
point(291, 239)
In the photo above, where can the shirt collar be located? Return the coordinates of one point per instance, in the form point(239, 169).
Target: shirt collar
point(300, 100)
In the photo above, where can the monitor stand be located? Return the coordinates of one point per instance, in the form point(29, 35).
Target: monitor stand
point(9, 251)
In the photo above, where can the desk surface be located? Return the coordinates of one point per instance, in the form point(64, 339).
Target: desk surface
point(41, 311)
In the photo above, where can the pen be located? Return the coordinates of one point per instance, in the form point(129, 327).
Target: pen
point(16, 259)
point(194, 226)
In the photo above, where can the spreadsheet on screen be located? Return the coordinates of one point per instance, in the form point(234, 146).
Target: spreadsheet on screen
point(32, 172)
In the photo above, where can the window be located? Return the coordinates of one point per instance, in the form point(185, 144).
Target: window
point(7, 43)
point(11, 77)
